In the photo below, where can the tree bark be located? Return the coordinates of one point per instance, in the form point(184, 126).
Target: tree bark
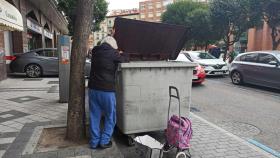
point(76, 130)
point(227, 47)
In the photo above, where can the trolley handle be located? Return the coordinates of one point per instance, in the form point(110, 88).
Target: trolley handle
point(176, 90)
point(173, 96)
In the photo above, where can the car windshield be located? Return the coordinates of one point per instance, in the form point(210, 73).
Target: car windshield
point(201, 55)
point(188, 56)
point(278, 56)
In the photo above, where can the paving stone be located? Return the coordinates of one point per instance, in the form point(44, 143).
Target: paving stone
point(82, 151)
point(14, 114)
point(8, 134)
point(66, 153)
point(45, 155)
point(24, 99)
point(2, 152)
point(6, 140)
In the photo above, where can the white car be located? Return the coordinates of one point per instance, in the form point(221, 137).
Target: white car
point(211, 65)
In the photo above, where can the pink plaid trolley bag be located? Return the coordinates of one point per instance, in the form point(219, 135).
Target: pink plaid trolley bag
point(179, 130)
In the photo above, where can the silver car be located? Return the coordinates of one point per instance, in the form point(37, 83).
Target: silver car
point(39, 62)
point(259, 68)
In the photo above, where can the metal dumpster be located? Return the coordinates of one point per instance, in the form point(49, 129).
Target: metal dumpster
point(142, 84)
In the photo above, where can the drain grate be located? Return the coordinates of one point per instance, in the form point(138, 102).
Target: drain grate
point(32, 79)
point(53, 82)
point(240, 129)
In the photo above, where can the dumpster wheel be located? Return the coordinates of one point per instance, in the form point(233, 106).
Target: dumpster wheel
point(130, 140)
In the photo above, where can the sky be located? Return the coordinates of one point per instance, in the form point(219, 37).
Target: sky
point(123, 4)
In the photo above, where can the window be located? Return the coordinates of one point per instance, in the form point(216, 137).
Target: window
point(158, 14)
point(201, 55)
point(266, 58)
point(249, 57)
point(142, 7)
point(158, 5)
point(142, 16)
point(48, 53)
point(278, 55)
point(150, 6)
point(150, 15)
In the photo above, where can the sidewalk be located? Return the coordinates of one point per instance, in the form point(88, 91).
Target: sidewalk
point(28, 105)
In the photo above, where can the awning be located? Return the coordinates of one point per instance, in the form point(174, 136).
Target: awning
point(10, 17)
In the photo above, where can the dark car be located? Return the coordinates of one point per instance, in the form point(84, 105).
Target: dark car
point(38, 62)
point(258, 68)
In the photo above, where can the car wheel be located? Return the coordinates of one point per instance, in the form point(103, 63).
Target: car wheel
point(33, 71)
point(236, 78)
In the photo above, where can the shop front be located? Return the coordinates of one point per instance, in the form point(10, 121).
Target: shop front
point(48, 39)
point(34, 35)
point(10, 20)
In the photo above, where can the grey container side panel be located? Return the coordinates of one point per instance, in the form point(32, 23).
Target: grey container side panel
point(119, 96)
point(143, 97)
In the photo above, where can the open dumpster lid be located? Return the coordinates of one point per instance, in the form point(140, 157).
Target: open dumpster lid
point(149, 41)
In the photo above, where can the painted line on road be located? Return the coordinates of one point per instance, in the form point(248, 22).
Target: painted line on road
point(264, 147)
point(267, 154)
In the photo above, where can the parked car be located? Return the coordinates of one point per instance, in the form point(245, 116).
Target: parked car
point(198, 73)
point(259, 68)
point(211, 65)
point(38, 62)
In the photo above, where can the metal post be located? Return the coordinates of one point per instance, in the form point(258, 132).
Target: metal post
point(64, 49)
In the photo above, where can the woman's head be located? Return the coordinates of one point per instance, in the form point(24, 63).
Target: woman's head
point(111, 41)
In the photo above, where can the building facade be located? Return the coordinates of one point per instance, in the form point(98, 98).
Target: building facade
point(42, 22)
point(151, 10)
point(107, 25)
point(128, 14)
point(99, 35)
point(260, 38)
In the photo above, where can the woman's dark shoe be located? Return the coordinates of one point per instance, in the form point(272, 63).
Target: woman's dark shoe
point(105, 146)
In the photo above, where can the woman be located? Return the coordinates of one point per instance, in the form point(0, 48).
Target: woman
point(104, 62)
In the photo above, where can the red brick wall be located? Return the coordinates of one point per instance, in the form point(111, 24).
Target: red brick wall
point(260, 39)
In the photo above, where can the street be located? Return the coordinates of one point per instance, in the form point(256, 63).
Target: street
point(251, 112)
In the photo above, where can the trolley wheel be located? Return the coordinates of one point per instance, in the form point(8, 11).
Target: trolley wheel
point(181, 155)
point(130, 141)
point(186, 152)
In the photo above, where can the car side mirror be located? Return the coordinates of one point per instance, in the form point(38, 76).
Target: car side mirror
point(275, 63)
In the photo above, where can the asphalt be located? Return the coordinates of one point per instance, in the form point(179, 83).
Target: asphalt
point(251, 112)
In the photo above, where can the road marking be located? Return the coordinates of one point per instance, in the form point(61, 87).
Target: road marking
point(264, 147)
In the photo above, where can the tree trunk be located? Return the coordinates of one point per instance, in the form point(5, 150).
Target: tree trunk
point(274, 35)
point(76, 108)
point(227, 47)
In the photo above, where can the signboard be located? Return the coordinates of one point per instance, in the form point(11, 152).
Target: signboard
point(10, 17)
point(65, 54)
point(34, 27)
point(48, 34)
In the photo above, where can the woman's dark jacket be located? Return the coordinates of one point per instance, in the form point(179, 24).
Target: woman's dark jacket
point(104, 63)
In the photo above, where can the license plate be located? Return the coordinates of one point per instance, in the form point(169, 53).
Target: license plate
point(194, 77)
point(219, 73)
